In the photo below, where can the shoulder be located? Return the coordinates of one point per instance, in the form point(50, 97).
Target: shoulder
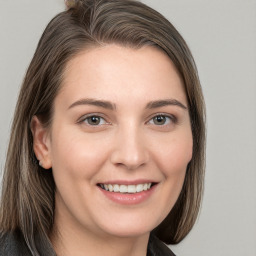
point(13, 244)
point(158, 248)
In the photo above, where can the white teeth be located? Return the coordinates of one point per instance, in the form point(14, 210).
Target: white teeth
point(123, 189)
point(116, 188)
point(139, 187)
point(131, 189)
point(126, 188)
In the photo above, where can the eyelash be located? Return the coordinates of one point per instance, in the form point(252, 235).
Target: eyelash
point(171, 118)
point(86, 118)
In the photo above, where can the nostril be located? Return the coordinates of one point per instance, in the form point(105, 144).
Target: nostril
point(129, 151)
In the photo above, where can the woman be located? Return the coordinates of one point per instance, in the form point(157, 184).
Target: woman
point(106, 155)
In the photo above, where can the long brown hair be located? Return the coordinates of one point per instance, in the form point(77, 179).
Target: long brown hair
point(27, 201)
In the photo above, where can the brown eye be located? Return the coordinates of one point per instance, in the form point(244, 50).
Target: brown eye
point(162, 120)
point(159, 120)
point(94, 120)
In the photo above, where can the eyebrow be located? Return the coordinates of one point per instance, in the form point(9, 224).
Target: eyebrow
point(94, 102)
point(167, 102)
point(111, 106)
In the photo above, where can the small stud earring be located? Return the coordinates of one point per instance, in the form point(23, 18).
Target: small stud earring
point(40, 164)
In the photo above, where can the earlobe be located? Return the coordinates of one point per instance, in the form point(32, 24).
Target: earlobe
point(41, 143)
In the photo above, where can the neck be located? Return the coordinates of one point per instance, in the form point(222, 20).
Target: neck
point(77, 245)
point(68, 240)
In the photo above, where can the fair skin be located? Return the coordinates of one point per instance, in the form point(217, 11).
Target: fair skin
point(120, 118)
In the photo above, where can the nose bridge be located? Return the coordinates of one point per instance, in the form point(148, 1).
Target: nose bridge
point(130, 149)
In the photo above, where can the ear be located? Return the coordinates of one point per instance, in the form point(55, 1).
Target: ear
point(41, 143)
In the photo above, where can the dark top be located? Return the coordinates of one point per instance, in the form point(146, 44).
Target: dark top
point(13, 244)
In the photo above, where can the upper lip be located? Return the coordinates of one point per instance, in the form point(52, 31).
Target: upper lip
point(128, 182)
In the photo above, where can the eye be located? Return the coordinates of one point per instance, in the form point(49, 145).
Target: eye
point(94, 120)
point(162, 120)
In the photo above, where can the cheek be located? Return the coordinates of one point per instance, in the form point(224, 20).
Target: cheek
point(73, 155)
point(174, 154)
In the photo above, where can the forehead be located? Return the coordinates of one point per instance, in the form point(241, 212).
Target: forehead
point(115, 72)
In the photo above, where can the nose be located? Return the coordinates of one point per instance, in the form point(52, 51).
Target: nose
point(130, 150)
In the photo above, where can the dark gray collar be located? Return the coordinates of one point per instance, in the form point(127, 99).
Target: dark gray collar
point(158, 248)
point(13, 244)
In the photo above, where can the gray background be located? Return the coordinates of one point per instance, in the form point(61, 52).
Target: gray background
point(222, 37)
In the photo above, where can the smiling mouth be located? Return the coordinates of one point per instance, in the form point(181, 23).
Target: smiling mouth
point(127, 189)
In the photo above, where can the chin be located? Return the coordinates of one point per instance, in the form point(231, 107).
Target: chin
point(128, 229)
point(129, 233)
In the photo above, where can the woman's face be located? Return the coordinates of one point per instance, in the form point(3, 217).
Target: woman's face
point(120, 141)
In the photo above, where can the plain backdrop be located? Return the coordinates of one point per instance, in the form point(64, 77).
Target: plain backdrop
point(222, 37)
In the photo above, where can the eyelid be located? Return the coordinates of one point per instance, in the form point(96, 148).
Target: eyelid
point(84, 117)
point(171, 116)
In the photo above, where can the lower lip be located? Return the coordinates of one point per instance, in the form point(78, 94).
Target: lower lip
point(129, 199)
